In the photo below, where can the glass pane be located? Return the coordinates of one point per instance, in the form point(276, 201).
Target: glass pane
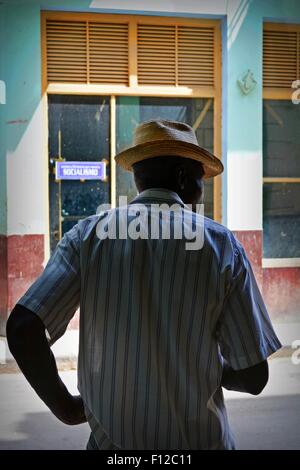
point(133, 110)
point(83, 125)
point(81, 199)
point(281, 220)
point(127, 119)
point(281, 138)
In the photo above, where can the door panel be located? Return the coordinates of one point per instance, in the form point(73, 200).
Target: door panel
point(130, 111)
point(78, 131)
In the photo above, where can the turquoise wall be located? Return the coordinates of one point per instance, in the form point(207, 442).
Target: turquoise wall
point(245, 112)
point(3, 207)
point(21, 71)
point(242, 115)
point(242, 131)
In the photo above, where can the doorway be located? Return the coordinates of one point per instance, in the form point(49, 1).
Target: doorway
point(80, 130)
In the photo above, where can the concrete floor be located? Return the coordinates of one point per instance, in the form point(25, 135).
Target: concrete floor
point(269, 421)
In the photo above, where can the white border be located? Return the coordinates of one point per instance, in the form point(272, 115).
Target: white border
point(281, 262)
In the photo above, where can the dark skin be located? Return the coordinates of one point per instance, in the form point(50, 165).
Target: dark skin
point(181, 175)
point(26, 333)
point(28, 343)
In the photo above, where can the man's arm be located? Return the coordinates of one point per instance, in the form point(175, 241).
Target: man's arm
point(28, 343)
point(244, 330)
point(251, 380)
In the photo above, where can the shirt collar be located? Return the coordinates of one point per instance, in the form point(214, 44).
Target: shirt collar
point(156, 195)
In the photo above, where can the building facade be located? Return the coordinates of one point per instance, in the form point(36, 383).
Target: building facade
point(77, 77)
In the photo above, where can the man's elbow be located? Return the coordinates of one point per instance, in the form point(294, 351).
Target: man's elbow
point(14, 329)
point(257, 389)
point(19, 325)
point(258, 378)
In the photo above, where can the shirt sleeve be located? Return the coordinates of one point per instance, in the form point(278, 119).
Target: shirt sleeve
point(245, 333)
point(55, 295)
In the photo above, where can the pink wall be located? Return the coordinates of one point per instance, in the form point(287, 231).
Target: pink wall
point(252, 242)
point(3, 283)
point(21, 262)
point(25, 256)
point(280, 287)
point(281, 291)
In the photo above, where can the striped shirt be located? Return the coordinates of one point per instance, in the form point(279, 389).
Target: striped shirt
point(156, 321)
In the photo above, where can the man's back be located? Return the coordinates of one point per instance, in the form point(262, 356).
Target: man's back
point(156, 321)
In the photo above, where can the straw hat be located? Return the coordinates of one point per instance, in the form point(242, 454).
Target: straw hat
point(163, 138)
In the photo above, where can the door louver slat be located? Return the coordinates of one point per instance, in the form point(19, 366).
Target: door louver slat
point(195, 56)
point(87, 52)
point(108, 41)
point(66, 40)
point(280, 57)
point(156, 56)
point(175, 55)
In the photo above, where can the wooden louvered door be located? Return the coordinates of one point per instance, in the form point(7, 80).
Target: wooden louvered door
point(196, 49)
point(108, 52)
point(66, 51)
point(280, 58)
point(156, 48)
point(175, 55)
point(139, 57)
point(86, 52)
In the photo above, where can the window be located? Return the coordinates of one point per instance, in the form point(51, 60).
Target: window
point(281, 145)
point(281, 191)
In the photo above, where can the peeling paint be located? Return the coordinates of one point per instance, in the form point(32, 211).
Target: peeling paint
point(280, 287)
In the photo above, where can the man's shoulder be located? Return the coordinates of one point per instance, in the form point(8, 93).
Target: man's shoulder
point(218, 232)
point(86, 226)
point(216, 228)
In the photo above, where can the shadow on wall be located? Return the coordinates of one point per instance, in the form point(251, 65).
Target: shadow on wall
point(236, 19)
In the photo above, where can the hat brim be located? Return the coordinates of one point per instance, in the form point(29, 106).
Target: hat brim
point(212, 166)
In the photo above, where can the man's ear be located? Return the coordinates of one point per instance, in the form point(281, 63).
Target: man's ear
point(181, 177)
point(137, 183)
point(202, 192)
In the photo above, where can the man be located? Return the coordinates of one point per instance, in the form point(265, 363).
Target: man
point(162, 328)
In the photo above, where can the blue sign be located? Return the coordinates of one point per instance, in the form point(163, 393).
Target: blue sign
point(80, 170)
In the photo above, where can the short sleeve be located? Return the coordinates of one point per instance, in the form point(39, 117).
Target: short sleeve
point(245, 333)
point(55, 295)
